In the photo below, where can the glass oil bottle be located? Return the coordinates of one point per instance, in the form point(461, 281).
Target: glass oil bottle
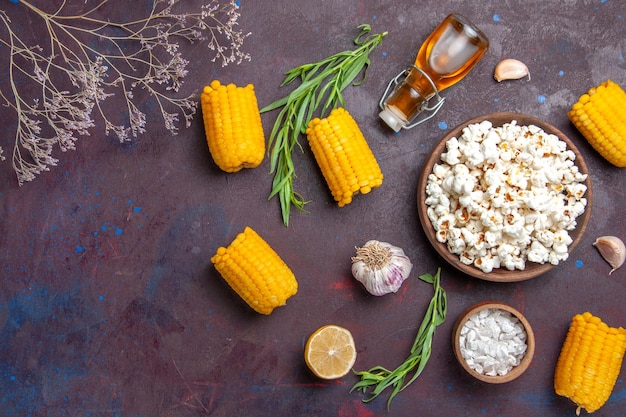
point(447, 55)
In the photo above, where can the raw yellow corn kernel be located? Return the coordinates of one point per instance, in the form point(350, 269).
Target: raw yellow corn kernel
point(255, 272)
point(600, 115)
point(232, 123)
point(589, 362)
point(343, 155)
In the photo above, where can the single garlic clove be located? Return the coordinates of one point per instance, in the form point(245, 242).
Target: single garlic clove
point(612, 250)
point(510, 69)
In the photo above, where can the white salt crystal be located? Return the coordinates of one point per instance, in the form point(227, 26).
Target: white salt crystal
point(493, 342)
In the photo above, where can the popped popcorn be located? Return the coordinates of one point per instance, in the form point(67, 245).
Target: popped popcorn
point(502, 196)
point(493, 342)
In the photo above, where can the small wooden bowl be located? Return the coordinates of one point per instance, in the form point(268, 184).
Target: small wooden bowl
point(513, 373)
point(532, 269)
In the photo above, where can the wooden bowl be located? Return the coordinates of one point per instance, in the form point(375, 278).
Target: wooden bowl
point(514, 372)
point(531, 270)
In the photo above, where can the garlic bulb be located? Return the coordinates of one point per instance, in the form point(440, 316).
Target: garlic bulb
point(380, 267)
point(612, 250)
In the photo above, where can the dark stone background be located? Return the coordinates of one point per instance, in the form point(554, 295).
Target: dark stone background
point(109, 305)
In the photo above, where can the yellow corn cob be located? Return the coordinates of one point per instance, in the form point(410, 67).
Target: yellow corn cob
point(255, 272)
point(343, 155)
point(600, 115)
point(232, 123)
point(590, 362)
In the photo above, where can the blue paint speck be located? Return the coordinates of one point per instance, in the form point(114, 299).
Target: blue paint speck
point(238, 3)
point(443, 125)
point(15, 1)
point(579, 263)
point(103, 228)
point(79, 249)
point(119, 231)
point(561, 73)
point(496, 17)
point(12, 377)
point(101, 297)
point(495, 100)
point(374, 17)
point(541, 98)
point(137, 209)
point(384, 53)
point(130, 202)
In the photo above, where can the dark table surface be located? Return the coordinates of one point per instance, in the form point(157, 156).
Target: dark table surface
point(109, 304)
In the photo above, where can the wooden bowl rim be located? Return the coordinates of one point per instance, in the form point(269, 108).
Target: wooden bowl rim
point(532, 270)
point(530, 342)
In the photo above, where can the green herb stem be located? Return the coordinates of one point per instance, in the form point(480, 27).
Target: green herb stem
point(321, 85)
point(379, 378)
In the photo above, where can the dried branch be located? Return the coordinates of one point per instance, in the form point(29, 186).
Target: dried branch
point(100, 58)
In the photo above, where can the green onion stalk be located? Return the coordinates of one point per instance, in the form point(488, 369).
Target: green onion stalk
point(321, 85)
point(379, 378)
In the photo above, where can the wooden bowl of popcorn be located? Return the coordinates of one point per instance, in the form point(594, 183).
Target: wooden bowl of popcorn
point(504, 197)
point(493, 342)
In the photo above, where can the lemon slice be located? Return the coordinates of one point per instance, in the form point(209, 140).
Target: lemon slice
point(330, 352)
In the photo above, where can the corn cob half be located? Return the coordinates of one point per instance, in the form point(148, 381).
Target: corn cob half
point(232, 123)
point(589, 362)
point(343, 155)
point(255, 271)
point(600, 115)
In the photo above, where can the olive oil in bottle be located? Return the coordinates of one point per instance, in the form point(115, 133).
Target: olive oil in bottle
point(447, 55)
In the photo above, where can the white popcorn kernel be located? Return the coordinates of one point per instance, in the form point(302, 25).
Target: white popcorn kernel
point(444, 201)
point(577, 190)
point(442, 210)
point(491, 239)
point(452, 155)
point(578, 208)
point(441, 170)
point(466, 200)
point(462, 215)
point(485, 263)
point(491, 219)
point(456, 245)
point(433, 189)
point(447, 185)
point(445, 222)
point(432, 216)
point(466, 258)
point(477, 195)
point(538, 253)
point(561, 237)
